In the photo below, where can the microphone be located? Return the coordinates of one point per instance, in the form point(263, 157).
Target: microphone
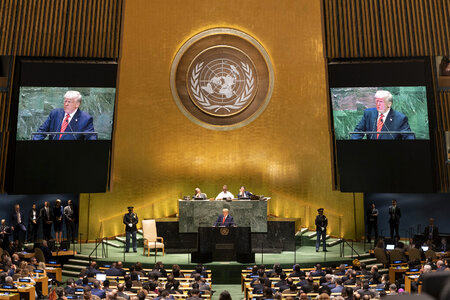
point(74, 137)
point(384, 124)
point(374, 127)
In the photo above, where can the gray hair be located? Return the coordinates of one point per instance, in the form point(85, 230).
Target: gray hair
point(73, 95)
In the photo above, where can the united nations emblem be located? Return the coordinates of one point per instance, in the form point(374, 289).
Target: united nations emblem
point(222, 79)
point(224, 231)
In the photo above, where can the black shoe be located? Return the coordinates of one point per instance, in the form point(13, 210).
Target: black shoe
point(135, 251)
point(317, 250)
point(127, 251)
point(326, 250)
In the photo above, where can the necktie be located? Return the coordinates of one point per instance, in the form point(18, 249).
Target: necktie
point(380, 124)
point(19, 220)
point(223, 220)
point(64, 125)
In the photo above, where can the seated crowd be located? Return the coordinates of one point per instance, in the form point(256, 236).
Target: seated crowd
point(342, 282)
point(140, 283)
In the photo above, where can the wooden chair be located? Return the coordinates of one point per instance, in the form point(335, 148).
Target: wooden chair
point(39, 255)
point(151, 239)
point(430, 254)
point(381, 256)
point(397, 255)
point(414, 255)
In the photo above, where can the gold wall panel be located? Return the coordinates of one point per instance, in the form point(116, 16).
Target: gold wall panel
point(160, 155)
point(82, 28)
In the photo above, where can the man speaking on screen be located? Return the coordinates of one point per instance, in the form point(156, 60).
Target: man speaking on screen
point(68, 119)
point(383, 119)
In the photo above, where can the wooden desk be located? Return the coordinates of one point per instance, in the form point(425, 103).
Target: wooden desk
point(56, 271)
point(25, 255)
point(394, 272)
point(26, 292)
point(43, 281)
point(64, 253)
point(10, 296)
point(409, 280)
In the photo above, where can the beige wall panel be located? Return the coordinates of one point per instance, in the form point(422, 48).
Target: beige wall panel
point(160, 155)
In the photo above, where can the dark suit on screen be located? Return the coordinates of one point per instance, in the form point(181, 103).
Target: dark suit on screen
point(80, 122)
point(395, 121)
point(228, 222)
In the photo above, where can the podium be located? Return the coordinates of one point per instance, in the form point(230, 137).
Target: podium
point(224, 244)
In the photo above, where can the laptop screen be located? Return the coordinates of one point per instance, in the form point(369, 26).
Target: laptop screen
point(390, 247)
point(100, 276)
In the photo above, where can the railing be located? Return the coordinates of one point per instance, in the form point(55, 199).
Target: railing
point(344, 241)
point(98, 242)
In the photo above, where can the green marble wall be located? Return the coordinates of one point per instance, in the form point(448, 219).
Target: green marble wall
point(203, 213)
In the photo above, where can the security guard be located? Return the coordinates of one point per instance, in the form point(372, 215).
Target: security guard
point(130, 220)
point(321, 229)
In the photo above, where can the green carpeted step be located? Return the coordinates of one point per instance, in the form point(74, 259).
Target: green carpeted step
point(114, 244)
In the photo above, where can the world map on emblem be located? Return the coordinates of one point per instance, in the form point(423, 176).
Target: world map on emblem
point(222, 85)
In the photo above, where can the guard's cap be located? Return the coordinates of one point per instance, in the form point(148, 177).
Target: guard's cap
point(320, 209)
point(130, 207)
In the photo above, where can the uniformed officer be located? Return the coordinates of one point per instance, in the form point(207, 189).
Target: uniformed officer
point(321, 229)
point(130, 220)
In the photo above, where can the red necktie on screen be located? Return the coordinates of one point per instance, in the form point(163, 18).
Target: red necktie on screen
point(64, 125)
point(380, 124)
point(223, 221)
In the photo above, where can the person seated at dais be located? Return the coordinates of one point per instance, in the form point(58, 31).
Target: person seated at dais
point(225, 194)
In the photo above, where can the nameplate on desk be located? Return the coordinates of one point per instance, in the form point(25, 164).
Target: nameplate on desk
point(227, 246)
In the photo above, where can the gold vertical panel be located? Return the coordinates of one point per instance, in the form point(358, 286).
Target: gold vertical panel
point(160, 155)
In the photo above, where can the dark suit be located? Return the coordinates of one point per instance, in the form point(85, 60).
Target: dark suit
point(33, 227)
point(432, 231)
point(394, 220)
point(228, 222)
point(394, 121)
point(5, 232)
point(372, 223)
point(19, 226)
point(47, 220)
point(80, 122)
point(247, 194)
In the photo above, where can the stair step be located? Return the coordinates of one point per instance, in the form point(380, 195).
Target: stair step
point(301, 231)
point(368, 260)
point(121, 239)
point(82, 256)
point(78, 261)
point(383, 271)
point(361, 255)
point(113, 244)
point(333, 242)
point(379, 265)
point(312, 234)
point(70, 266)
point(140, 231)
point(70, 273)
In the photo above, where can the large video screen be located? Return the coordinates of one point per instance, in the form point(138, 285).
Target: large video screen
point(383, 117)
point(43, 110)
point(62, 126)
point(380, 113)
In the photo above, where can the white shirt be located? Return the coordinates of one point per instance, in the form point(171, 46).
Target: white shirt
point(224, 195)
point(70, 117)
point(384, 115)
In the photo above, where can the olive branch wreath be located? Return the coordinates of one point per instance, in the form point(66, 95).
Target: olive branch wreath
point(240, 101)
